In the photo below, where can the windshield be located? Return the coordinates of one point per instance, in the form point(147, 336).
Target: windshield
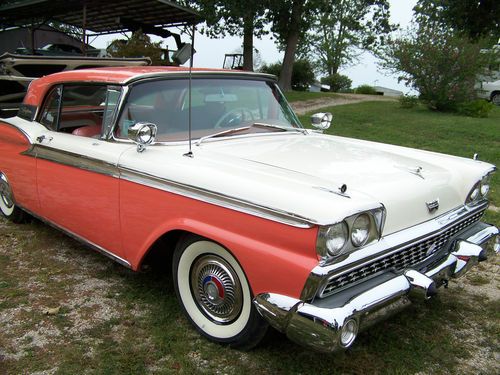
point(217, 104)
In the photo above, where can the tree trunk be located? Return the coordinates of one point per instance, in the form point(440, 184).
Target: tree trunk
point(248, 42)
point(285, 80)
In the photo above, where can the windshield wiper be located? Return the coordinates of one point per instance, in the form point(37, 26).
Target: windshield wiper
point(284, 128)
point(221, 133)
point(256, 124)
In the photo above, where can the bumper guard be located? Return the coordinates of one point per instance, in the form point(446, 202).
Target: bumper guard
point(330, 323)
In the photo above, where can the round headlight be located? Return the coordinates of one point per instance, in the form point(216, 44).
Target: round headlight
point(474, 193)
point(335, 238)
point(360, 230)
point(485, 185)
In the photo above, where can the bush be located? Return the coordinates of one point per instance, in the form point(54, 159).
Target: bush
point(302, 75)
point(476, 108)
point(337, 82)
point(441, 66)
point(365, 89)
point(408, 101)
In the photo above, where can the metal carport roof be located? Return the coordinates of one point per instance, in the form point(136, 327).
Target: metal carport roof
point(99, 16)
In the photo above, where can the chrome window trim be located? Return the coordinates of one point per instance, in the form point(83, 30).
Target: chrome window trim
point(198, 75)
point(386, 246)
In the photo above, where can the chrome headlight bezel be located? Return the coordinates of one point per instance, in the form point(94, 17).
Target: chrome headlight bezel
point(376, 220)
point(479, 190)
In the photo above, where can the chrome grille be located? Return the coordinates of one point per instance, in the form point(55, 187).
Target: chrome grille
point(399, 260)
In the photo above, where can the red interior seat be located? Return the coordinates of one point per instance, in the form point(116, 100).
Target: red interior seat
point(87, 131)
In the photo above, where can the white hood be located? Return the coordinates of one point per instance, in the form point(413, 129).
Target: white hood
point(301, 174)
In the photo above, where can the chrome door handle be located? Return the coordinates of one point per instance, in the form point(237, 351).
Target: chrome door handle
point(42, 137)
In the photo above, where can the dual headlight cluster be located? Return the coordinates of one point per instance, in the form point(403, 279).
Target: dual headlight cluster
point(479, 191)
point(350, 234)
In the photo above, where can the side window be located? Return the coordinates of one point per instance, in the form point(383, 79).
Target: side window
point(50, 110)
point(82, 110)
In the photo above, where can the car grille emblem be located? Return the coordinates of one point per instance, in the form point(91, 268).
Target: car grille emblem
point(431, 250)
point(432, 205)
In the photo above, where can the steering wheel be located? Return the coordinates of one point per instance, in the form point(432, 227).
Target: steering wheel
point(234, 117)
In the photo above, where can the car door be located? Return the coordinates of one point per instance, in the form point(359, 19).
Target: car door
point(77, 175)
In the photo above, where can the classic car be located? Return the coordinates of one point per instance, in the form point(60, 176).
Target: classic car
point(266, 222)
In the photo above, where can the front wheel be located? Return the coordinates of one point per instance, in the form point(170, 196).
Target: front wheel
point(214, 293)
point(7, 205)
point(495, 98)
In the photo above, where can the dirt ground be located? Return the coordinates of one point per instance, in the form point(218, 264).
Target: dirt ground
point(305, 106)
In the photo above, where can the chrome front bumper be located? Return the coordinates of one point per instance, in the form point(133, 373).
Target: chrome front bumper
point(333, 323)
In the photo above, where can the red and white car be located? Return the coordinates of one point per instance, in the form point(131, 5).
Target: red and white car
point(266, 222)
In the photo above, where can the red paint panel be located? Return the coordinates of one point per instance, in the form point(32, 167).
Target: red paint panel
point(275, 257)
point(83, 202)
point(19, 169)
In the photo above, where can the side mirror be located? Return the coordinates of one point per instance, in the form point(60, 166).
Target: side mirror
point(321, 121)
point(142, 134)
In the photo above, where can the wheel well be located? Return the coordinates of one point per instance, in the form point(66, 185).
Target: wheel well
point(494, 93)
point(161, 251)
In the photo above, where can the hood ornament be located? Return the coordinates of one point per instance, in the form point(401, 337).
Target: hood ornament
point(417, 171)
point(433, 205)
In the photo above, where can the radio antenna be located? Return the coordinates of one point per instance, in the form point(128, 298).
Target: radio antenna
point(190, 152)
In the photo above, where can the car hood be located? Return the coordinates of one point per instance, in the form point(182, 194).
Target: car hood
point(302, 175)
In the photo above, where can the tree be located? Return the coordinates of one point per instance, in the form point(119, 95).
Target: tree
point(302, 73)
point(343, 28)
point(138, 45)
point(337, 82)
point(290, 20)
point(441, 65)
point(234, 17)
point(473, 18)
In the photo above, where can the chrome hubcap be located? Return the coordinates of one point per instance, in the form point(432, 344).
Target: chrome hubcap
point(5, 192)
point(216, 289)
point(496, 99)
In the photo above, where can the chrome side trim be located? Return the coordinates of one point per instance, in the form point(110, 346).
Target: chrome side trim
point(215, 198)
point(78, 238)
point(73, 160)
point(386, 246)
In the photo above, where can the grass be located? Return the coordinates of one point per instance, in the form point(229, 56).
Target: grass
point(114, 321)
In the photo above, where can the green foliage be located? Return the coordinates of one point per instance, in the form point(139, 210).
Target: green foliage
point(139, 45)
point(343, 28)
point(442, 66)
point(408, 101)
point(302, 74)
point(476, 108)
point(473, 18)
point(365, 89)
point(337, 82)
point(236, 18)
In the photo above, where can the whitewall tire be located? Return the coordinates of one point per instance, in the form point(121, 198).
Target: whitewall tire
point(7, 205)
point(214, 293)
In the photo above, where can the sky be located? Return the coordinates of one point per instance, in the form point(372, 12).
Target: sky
point(210, 52)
